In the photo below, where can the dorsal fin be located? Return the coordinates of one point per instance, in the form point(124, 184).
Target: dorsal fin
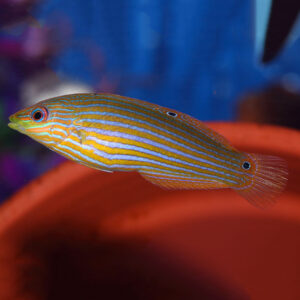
point(208, 131)
point(198, 125)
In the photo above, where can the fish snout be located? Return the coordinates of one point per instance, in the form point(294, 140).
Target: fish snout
point(15, 123)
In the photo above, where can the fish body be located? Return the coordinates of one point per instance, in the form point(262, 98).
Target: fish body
point(168, 148)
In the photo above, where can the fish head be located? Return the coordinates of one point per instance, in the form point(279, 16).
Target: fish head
point(47, 121)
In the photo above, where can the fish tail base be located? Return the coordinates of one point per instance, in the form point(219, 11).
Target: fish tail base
point(268, 181)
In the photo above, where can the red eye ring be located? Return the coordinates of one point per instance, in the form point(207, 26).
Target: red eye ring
point(39, 114)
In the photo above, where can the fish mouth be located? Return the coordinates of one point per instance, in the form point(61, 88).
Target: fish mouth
point(15, 125)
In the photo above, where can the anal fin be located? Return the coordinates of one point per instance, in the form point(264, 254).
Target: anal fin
point(177, 182)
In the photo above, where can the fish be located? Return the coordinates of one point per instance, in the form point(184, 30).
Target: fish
point(170, 149)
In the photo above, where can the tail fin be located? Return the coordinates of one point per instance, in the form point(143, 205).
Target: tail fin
point(269, 180)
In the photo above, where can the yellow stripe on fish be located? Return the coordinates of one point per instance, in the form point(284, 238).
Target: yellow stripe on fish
point(168, 148)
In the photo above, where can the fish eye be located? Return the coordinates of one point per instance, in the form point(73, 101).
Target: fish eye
point(246, 165)
point(171, 113)
point(39, 114)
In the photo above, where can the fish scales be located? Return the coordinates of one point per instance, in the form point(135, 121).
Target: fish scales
point(149, 113)
point(134, 126)
point(134, 122)
point(183, 142)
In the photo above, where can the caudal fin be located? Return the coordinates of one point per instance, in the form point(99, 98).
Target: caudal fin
point(269, 180)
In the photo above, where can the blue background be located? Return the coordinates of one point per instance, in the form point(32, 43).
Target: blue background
point(194, 56)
